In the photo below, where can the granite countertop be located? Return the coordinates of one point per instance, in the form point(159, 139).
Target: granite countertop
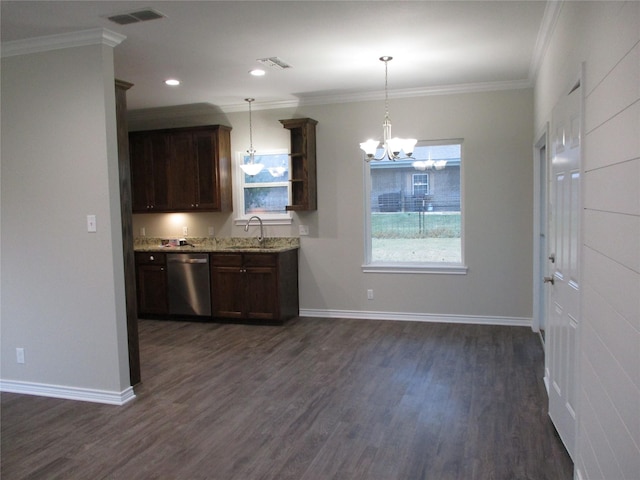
point(214, 244)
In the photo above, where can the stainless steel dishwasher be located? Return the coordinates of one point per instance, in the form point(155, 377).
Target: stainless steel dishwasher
point(189, 290)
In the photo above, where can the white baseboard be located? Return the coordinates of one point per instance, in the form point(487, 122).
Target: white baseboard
point(418, 317)
point(68, 393)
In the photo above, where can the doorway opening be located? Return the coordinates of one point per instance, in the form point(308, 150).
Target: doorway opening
point(540, 227)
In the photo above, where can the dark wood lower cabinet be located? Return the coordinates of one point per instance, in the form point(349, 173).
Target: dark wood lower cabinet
point(151, 283)
point(258, 287)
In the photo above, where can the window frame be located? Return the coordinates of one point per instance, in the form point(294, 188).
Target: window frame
point(421, 184)
point(239, 187)
point(452, 268)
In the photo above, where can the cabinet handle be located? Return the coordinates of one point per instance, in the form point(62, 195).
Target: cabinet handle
point(151, 258)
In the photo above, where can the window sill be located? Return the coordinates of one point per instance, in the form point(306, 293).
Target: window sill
point(270, 220)
point(431, 268)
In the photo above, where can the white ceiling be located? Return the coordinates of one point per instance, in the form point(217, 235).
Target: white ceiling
point(333, 47)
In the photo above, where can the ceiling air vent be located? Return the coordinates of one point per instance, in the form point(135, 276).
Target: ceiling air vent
point(274, 62)
point(135, 17)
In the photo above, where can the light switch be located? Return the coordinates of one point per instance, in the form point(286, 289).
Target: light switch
point(91, 224)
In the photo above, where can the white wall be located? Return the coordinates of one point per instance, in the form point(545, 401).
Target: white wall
point(62, 288)
point(606, 37)
point(496, 128)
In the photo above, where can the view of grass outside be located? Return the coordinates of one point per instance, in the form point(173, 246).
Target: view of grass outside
point(415, 205)
point(416, 237)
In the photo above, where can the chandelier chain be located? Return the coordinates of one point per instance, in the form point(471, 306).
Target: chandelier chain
point(386, 88)
point(249, 100)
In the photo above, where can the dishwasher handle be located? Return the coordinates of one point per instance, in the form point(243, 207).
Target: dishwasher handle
point(187, 260)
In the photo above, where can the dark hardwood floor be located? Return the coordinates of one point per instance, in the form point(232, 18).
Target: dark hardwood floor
point(314, 399)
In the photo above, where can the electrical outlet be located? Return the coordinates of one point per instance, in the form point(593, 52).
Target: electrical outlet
point(185, 231)
point(370, 294)
point(303, 229)
point(211, 231)
point(20, 355)
point(143, 232)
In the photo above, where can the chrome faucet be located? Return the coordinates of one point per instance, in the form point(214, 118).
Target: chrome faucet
point(246, 227)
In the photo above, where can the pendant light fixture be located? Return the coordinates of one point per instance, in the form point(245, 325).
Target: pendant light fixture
point(392, 146)
point(251, 168)
point(429, 164)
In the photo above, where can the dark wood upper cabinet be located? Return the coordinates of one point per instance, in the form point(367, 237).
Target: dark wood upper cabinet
point(304, 195)
point(149, 156)
point(178, 170)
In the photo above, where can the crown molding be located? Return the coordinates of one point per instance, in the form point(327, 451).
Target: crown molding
point(547, 27)
point(94, 36)
point(189, 111)
point(380, 95)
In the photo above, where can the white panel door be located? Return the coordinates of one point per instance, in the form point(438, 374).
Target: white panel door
point(564, 245)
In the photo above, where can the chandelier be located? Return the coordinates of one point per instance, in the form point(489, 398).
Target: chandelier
point(393, 147)
point(251, 168)
point(429, 164)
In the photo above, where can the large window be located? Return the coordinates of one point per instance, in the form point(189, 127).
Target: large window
point(414, 211)
point(265, 194)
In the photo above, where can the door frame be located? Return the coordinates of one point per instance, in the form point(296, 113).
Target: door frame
point(541, 160)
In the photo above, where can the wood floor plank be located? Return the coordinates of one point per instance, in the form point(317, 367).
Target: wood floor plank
point(315, 399)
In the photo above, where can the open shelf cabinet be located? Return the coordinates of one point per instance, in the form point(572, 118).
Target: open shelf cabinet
point(302, 172)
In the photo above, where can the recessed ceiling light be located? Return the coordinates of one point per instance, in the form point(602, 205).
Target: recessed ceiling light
point(172, 82)
point(257, 72)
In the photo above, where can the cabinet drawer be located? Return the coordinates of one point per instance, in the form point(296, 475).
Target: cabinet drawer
point(150, 258)
point(260, 259)
point(226, 259)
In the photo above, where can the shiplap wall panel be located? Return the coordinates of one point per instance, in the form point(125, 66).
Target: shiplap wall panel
point(616, 332)
point(610, 189)
point(605, 428)
point(615, 141)
point(619, 415)
point(599, 268)
point(613, 235)
point(619, 89)
point(592, 432)
point(609, 399)
point(611, 36)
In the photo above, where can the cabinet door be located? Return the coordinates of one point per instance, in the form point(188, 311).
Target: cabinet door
point(160, 171)
point(261, 293)
point(141, 171)
point(227, 287)
point(152, 289)
point(149, 161)
point(182, 172)
point(207, 182)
